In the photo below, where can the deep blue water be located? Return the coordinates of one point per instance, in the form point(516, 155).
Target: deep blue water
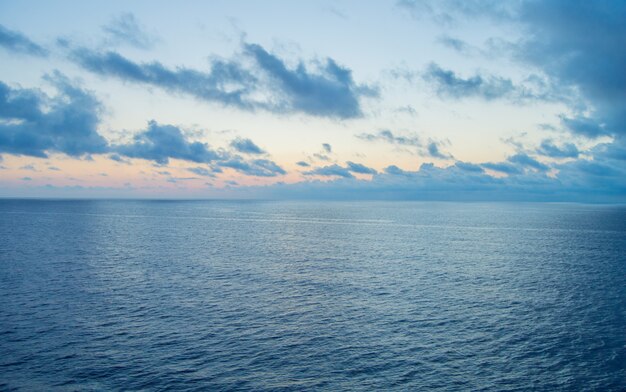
point(216, 295)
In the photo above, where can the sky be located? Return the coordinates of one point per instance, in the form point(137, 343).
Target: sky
point(400, 100)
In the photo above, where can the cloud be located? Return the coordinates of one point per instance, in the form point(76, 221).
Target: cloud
point(330, 171)
point(35, 124)
point(388, 136)
point(395, 171)
point(469, 167)
point(435, 152)
point(579, 180)
point(19, 43)
point(118, 158)
point(502, 167)
point(303, 164)
point(340, 171)
point(264, 83)
point(567, 150)
point(526, 161)
point(581, 44)
point(327, 147)
point(126, 29)
point(226, 82)
point(201, 171)
point(246, 146)
point(448, 84)
point(584, 126)
point(360, 168)
point(457, 45)
point(160, 143)
point(255, 167)
point(516, 164)
point(329, 92)
point(431, 149)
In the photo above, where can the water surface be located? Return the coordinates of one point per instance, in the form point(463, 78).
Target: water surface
point(218, 295)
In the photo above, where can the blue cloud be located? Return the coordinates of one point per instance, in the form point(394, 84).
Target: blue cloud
point(581, 44)
point(303, 164)
point(35, 124)
point(502, 167)
point(246, 146)
point(201, 171)
point(255, 167)
point(330, 92)
point(159, 143)
point(330, 171)
point(584, 126)
point(567, 150)
point(435, 152)
point(327, 147)
point(19, 43)
point(573, 183)
point(126, 29)
point(395, 171)
point(360, 168)
point(524, 160)
point(469, 167)
point(448, 84)
point(225, 82)
point(389, 137)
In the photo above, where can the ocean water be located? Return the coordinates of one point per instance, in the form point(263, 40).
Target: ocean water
point(290, 296)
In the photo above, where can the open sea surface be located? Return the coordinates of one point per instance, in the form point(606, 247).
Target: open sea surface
point(291, 296)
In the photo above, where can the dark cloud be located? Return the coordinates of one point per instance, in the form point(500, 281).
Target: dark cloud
point(126, 29)
point(19, 43)
point(581, 44)
point(246, 146)
point(329, 91)
point(327, 147)
point(567, 150)
point(303, 164)
point(35, 124)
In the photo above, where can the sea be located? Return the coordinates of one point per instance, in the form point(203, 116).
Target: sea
point(138, 295)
